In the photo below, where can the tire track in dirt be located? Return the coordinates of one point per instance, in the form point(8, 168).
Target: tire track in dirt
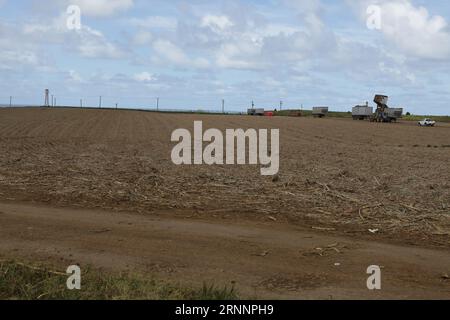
point(263, 260)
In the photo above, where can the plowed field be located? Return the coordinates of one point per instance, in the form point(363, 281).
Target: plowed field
point(337, 177)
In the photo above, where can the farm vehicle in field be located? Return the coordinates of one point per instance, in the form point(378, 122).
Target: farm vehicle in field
point(319, 112)
point(256, 112)
point(362, 112)
point(384, 113)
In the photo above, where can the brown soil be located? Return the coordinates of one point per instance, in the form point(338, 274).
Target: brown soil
point(263, 260)
point(338, 179)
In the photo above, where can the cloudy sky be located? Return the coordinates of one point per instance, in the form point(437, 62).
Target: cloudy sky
point(194, 53)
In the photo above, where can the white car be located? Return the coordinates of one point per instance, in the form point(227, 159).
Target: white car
point(427, 123)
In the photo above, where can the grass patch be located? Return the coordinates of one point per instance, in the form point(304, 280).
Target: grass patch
point(211, 292)
point(23, 282)
point(434, 118)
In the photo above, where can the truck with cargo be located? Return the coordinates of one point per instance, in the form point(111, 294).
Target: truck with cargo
point(394, 114)
point(320, 112)
point(362, 112)
point(383, 112)
point(256, 112)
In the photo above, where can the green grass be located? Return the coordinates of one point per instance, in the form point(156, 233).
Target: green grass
point(420, 118)
point(23, 282)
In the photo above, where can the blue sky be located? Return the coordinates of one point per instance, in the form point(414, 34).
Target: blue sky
point(193, 54)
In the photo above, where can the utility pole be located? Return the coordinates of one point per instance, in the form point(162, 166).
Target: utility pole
point(10, 101)
point(157, 104)
point(100, 103)
point(223, 106)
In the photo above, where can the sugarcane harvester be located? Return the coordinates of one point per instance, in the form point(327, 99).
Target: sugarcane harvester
point(383, 113)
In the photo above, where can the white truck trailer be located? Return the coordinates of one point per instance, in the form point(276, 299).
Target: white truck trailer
point(362, 112)
point(255, 112)
point(320, 112)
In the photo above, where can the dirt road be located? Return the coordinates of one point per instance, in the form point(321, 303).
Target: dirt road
point(264, 260)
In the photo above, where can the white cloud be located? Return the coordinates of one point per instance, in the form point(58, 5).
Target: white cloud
point(397, 72)
point(411, 29)
point(16, 52)
point(74, 76)
point(142, 38)
point(154, 22)
point(102, 8)
point(93, 44)
point(240, 54)
point(10, 59)
point(144, 77)
point(216, 23)
point(171, 53)
point(414, 31)
point(303, 7)
point(88, 42)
